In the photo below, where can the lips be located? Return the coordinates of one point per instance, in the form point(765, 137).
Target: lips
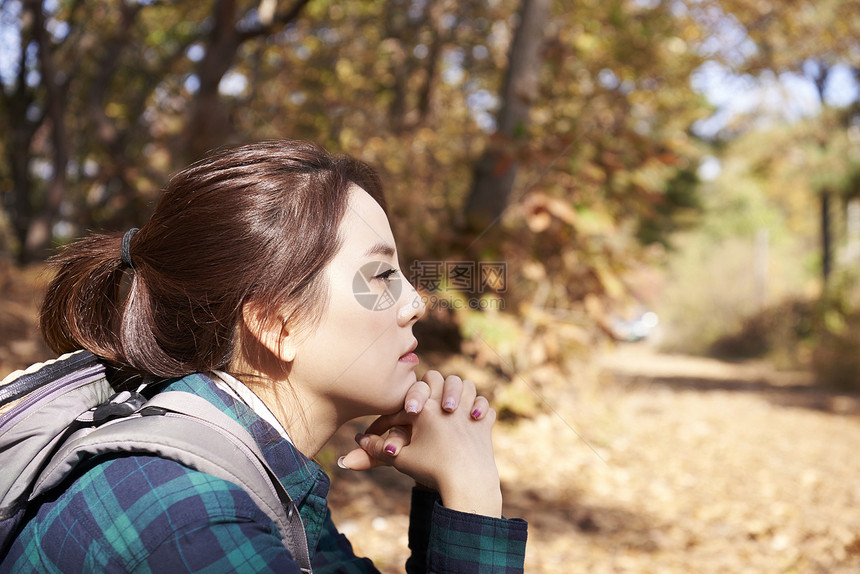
point(409, 356)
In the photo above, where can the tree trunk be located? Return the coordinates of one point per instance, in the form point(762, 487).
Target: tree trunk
point(15, 104)
point(21, 209)
point(817, 73)
point(496, 171)
point(40, 230)
point(209, 126)
point(826, 239)
point(19, 155)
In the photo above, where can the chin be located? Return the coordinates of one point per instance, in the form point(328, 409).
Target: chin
point(398, 402)
point(392, 402)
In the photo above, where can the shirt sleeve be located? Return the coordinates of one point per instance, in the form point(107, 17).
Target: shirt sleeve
point(334, 553)
point(222, 547)
point(449, 541)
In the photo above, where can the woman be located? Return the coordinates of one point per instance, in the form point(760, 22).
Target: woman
point(241, 288)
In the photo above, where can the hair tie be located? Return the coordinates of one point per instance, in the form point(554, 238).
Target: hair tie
point(125, 251)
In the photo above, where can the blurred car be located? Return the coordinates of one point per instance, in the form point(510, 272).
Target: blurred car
point(636, 328)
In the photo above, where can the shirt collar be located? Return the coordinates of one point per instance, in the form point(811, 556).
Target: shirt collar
point(240, 392)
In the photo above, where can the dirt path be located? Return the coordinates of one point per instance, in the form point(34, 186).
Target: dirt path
point(667, 465)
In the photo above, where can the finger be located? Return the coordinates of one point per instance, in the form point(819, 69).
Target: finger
point(375, 447)
point(480, 408)
point(451, 392)
point(382, 424)
point(469, 393)
point(358, 459)
point(416, 397)
point(491, 416)
point(397, 438)
point(435, 381)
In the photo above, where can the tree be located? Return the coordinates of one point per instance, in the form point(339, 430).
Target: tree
point(496, 171)
point(800, 41)
point(232, 26)
point(112, 120)
point(22, 117)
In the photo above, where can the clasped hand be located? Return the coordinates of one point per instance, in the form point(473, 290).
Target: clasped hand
point(442, 439)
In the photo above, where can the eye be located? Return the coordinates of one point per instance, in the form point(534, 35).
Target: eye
point(386, 275)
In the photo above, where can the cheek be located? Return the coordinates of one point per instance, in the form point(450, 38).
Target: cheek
point(353, 336)
point(351, 332)
point(350, 311)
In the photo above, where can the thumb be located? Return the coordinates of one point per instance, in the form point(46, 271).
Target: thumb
point(358, 459)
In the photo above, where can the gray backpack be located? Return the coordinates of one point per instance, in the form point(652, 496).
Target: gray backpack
point(57, 414)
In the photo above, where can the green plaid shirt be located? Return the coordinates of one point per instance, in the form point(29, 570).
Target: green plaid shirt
point(148, 514)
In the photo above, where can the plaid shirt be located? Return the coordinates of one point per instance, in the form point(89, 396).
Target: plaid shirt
point(148, 514)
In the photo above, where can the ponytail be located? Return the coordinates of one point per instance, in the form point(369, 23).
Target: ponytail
point(99, 300)
point(82, 307)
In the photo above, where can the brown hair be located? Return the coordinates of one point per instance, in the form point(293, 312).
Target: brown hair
point(254, 224)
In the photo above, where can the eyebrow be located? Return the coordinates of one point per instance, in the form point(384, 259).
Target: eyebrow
point(380, 248)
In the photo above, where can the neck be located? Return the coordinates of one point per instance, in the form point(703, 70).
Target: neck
point(309, 421)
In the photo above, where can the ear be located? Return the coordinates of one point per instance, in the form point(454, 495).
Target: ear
point(271, 332)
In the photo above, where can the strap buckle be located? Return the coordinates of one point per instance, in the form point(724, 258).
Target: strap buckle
point(121, 404)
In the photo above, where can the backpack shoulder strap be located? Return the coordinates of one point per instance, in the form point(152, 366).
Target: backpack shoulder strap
point(293, 531)
point(190, 430)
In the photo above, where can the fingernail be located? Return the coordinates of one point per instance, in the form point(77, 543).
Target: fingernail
point(362, 442)
point(358, 437)
point(412, 406)
point(448, 405)
point(390, 449)
point(341, 462)
point(476, 413)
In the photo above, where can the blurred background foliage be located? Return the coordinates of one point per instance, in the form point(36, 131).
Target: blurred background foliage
point(697, 158)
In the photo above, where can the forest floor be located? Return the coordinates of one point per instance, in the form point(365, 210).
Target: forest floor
point(647, 463)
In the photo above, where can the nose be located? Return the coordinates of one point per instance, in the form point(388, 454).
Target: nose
point(412, 306)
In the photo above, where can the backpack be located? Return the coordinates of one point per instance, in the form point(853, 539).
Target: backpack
point(58, 414)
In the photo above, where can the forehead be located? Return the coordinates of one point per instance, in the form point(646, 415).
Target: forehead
point(364, 224)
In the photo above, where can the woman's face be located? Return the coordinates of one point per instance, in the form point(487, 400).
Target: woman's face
point(359, 356)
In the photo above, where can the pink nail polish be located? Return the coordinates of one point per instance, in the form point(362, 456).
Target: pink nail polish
point(449, 405)
point(476, 413)
point(390, 449)
point(412, 407)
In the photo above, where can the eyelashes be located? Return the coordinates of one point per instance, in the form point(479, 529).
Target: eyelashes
point(387, 275)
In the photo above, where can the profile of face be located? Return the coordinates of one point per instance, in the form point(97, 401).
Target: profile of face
point(359, 355)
